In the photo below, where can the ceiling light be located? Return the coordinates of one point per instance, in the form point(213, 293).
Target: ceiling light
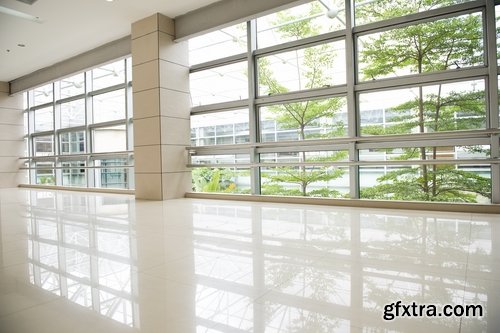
point(332, 13)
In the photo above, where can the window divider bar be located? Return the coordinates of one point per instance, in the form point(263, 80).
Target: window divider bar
point(299, 96)
point(450, 76)
point(351, 163)
point(218, 62)
point(492, 93)
point(417, 140)
point(226, 106)
point(303, 43)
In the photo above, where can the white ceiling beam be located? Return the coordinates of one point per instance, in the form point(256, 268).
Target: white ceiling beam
point(225, 13)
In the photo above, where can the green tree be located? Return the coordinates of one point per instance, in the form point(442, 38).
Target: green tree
point(428, 47)
point(299, 116)
point(216, 180)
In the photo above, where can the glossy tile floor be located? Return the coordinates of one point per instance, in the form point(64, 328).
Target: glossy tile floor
point(77, 262)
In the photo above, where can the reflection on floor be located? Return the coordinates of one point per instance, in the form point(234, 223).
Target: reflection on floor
point(79, 262)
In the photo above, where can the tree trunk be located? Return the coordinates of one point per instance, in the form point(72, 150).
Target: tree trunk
point(303, 184)
point(423, 153)
point(434, 149)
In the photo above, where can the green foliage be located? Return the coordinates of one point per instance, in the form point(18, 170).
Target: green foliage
point(427, 47)
point(453, 185)
point(301, 177)
point(216, 180)
point(47, 180)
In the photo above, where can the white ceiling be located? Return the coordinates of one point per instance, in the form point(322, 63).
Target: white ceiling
point(71, 27)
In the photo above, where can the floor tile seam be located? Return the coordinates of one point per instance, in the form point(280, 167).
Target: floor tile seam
point(466, 270)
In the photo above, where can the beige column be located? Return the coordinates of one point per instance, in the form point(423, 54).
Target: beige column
point(160, 76)
point(11, 138)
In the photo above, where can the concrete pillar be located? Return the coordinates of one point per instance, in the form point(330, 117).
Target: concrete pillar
point(11, 138)
point(160, 72)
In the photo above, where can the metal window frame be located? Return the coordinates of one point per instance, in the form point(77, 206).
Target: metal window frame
point(88, 156)
point(354, 142)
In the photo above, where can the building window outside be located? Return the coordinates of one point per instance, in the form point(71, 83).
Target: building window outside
point(412, 122)
point(78, 129)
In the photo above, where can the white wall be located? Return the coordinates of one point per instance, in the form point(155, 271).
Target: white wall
point(11, 137)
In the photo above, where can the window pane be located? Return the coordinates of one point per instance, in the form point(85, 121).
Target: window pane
point(108, 75)
point(315, 119)
point(111, 173)
point(303, 21)
point(310, 181)
point(44, 94)
point(72, 86)
point(378, 10)
point(314, 67)
point(43, 145)
point(318, 181)
point(437, 108)
point(72, 142)
point(44, 119)
point(74, 174)
point(109, 106)
point(428, 47)
point(109, 139)
point(436, 182)
point(230, 126)
point(73, 113)
point(222, 180)
point(218, 44)
point(220, 84)
point(44, 173)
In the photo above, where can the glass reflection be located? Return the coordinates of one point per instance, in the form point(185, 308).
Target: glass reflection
point(278, 268)
point(79, 248)
point(230, 267)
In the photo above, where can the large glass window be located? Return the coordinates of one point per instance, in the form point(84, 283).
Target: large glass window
point(87, 115)
point(407, 86)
